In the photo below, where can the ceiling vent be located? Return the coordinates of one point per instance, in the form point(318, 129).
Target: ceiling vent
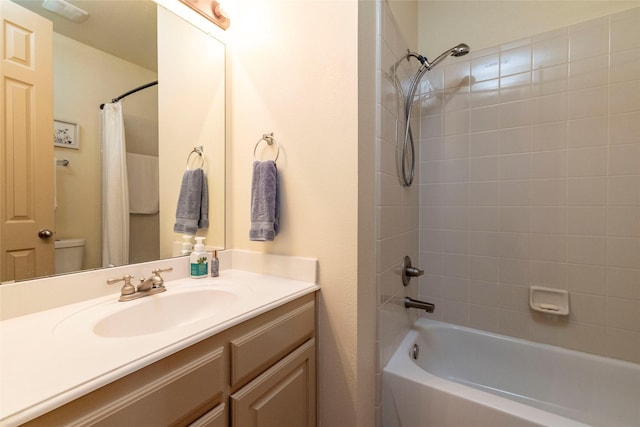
point(65, 9)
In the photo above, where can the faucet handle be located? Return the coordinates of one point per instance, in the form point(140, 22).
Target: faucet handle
point(155, 279)
point(409, 271)
point(162, 270)
point(157, 272)
point(127, 288)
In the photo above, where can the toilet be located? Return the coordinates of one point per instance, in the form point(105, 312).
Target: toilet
point(69, 254)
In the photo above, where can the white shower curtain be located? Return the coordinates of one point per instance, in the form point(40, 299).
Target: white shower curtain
point(115, 192)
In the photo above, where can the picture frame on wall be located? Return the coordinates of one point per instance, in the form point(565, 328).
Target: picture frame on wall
point(65, 134)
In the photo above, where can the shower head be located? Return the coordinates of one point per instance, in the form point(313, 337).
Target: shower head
point(459, 50)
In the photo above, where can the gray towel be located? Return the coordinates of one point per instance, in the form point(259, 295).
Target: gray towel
point(265, 210)
point(192, 211)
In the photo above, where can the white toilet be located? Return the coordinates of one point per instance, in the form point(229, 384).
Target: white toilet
point(69, 254)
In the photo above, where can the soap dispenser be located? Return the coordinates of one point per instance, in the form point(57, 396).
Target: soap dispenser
point(199, 260)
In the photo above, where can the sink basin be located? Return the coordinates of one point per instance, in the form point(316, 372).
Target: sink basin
point(153, 315)
point(149, 315)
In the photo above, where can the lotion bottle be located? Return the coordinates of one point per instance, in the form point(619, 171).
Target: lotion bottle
point(199, 260)
point(215, 265)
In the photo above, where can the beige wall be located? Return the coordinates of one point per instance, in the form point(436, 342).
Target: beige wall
point(84, 78)
point(482, 24)
point(406, 13)
point(292, 76)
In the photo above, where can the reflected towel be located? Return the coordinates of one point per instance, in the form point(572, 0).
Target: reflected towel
point(192, 211)
point(142, 173)
point(265, 210)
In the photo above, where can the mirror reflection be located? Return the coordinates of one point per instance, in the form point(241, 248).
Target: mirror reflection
point(115, 51)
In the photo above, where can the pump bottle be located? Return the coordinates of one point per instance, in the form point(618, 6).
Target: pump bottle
point(199, 260)
point(215, 265)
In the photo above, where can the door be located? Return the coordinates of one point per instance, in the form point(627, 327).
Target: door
point(26, 152)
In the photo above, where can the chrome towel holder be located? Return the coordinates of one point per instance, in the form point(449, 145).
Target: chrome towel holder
point(200, 152)
point(270, 140)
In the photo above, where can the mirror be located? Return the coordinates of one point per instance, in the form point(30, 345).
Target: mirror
point(114, 51)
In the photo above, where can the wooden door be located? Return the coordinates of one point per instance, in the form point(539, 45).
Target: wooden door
point(26, 151)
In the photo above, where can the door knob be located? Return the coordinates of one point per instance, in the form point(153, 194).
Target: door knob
point(45, 233)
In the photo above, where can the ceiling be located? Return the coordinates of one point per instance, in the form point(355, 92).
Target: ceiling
point(123, 28)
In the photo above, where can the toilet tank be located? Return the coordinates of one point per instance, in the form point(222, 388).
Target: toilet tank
point(69, 254)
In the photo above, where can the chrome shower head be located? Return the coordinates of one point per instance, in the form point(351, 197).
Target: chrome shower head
point(460, 50)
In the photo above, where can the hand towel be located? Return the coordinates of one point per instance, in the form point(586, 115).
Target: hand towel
point(192, 211)
point(142, 172)
point(265, 209)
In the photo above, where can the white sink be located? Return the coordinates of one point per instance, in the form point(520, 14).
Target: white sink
point(152, 314)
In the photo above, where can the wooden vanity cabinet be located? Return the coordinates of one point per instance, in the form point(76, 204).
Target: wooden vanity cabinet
point(273, 375)
point(259, 373)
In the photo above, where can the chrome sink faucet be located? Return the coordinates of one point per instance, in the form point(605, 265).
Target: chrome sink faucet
point(152, 285)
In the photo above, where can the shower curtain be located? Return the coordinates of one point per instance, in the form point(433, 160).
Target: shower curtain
point(115, 193)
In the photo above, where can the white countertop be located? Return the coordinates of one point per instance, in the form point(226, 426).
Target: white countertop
point(45, 363)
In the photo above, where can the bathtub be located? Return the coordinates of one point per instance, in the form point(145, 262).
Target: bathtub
point(466, 377)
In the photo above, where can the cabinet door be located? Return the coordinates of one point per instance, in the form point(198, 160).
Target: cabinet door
point(217, 417)
point(284, 395)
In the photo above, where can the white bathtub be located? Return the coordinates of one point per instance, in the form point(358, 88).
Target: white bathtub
point(465, 377)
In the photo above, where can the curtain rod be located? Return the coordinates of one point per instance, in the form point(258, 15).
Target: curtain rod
point(132, 91)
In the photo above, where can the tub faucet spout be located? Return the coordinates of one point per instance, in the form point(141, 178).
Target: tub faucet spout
point(422, 305)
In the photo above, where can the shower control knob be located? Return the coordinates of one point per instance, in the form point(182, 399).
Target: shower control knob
point(408, 271)
point(45, 233)
point(414, 272)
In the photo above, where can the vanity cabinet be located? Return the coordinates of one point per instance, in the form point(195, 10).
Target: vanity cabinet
point(258, 373)
point(273, 371)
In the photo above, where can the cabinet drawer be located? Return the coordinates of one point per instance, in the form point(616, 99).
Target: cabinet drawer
point(262, 346)
point(173, 391)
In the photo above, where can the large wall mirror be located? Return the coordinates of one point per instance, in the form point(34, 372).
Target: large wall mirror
point(123, 45)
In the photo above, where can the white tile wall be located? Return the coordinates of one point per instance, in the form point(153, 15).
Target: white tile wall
point(397, 223)
point(530, 174)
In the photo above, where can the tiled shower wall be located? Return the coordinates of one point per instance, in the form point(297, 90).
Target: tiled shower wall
point(530, 175)
point(396, 206)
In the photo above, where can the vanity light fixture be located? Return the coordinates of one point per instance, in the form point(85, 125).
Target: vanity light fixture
point(66, 10)
point(210, 9)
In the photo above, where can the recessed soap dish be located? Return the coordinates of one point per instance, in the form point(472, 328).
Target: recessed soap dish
point(549, 300)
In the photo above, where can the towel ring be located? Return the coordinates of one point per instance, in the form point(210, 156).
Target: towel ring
point(270, 140)
point(199, 151)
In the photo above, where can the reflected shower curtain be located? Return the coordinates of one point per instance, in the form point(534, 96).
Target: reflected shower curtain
point(115, 192)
